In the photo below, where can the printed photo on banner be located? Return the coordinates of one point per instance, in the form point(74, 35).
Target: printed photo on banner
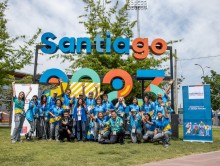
point(196, 92)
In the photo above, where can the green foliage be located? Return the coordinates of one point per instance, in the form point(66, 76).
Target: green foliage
point(99, 19)
point(214, 82)
point(13, 56)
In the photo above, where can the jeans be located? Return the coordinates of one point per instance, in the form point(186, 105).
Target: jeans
point(164, 135)
point(102, 137)
point(81, 128)
point(136, 136)
point(96, 128)
point(19, 120)
point(46, 134)
point(41, 127)
point(54, 130)
point(118, 137)
point(148, 134)
point(74, 128)
point(33, 127)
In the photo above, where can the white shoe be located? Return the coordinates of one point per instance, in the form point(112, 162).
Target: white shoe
point(13, 141)
point(57, 140)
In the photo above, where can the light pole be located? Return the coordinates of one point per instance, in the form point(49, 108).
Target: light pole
point(203, 69)
point(138, 5)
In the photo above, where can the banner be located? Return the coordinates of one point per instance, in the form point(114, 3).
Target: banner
point(197, 119)
point(25, 89)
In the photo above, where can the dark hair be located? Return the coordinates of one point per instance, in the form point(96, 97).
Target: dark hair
point(82, 102)
point(105, 95)
point(60, 101)
point(134, 98)
point(41, 99)
point(159, 98)
point(147, 98)
point(150, 119)
point(65, 112)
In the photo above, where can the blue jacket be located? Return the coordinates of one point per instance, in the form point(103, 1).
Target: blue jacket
point(135, 107)
point(108, 105)
point(135, 122)
point(82, 112)
point(32, 110)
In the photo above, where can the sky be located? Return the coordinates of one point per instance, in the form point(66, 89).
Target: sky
point(194, 21)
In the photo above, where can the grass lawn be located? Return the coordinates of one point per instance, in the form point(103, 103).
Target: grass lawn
point(78, 153)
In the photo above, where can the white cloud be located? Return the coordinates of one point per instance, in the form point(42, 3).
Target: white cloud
point(195, 21)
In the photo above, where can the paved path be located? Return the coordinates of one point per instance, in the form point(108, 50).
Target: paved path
point(204, 159)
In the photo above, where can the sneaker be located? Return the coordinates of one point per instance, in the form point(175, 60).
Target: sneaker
point(166, 145)
point(13, 141)
point(57, 140)
point(26, 136)
point(50, 139)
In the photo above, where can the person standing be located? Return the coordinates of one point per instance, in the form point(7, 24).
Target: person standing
point(134, 105)
point(55, 113)
point(79, 114)
point(30, 116)
point(19, 113)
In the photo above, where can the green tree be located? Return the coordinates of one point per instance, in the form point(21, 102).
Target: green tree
point(99, 19)
point(13, 56)
point(214, 82)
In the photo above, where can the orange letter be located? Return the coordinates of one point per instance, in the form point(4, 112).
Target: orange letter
point(162, 46)
point(140, 53)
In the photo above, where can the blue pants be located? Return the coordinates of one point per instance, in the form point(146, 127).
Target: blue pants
point(81, 128)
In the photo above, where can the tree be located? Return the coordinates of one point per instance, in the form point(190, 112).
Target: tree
point(100, 19)
point(13, 57)
point(214, 82)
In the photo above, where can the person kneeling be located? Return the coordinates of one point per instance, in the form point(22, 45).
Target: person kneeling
point(135, 128)
point(103, 130)
point(65, 127)
point(163, 128)
point(149, 127)
point(117, 131)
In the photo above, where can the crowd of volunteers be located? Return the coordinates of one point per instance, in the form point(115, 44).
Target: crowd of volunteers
point(93, 117)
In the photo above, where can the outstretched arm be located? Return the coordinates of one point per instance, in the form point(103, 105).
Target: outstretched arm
point(96, 91)
point(61, 86)
point(101, 93)
point(83, 90)
point(169, 87)
point(13, 89)
point(26, 95)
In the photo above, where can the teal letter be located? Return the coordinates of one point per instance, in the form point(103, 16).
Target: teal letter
point(50, 47)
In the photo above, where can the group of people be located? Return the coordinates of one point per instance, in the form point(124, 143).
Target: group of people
point(92, 117)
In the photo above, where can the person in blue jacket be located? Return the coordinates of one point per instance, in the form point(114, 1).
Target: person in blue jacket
point(33, 109)
point(160, 107)
point(162, 128)
point(44, 126)
point(107, 105)
point(52, 99)
point(149, 127)
point(134, 121)
point(120, 107)
point(134, 105)
point(147, 107)
point(79, 115)
point(56, 114)
point(98, 108)
point(67, 101)
point(103, 130)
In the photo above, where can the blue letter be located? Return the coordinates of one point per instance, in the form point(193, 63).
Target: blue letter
point(125, 48)
point(79, 45)
point(98, 40)
point(67, 48)
point(50, 47)
point(108, 43)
